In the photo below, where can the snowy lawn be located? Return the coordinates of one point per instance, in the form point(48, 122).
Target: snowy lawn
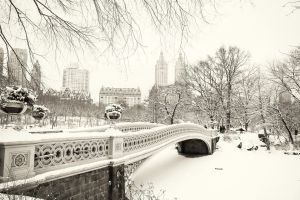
point(16, 197)
point(229, 174)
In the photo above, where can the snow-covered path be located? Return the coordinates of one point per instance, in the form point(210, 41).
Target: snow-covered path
point(230, 173)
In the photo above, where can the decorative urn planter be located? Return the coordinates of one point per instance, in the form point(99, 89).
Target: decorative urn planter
point(13, 107)
point(39, 112)
point(113, 112)
point(15, 99)
point(114, 115)
point(38, 115)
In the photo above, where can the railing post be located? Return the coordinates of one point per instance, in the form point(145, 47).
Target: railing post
point(16, 161)
point(115, 147)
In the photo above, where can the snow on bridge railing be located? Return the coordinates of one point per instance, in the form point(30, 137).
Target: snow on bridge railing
point(27, 154)
point(124, 127)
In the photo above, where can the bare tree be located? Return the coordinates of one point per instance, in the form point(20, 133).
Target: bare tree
point(287, 74)
point(293, 5)
point(199, 80)
point(246, 93)
point(220, 74)
point(284, 114)
point(230, 62)
point(73, 24)
point(169, 103)
point(286, 79)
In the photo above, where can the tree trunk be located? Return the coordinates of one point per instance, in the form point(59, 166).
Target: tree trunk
point(228, 109)
point(212, 122)
point(262, 116)
point(286, 126)
point(246, 119)
point(228, 115)
point(246, 126)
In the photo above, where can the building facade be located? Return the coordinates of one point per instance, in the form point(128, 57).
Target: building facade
point(17, 67)
point(131, 96)
point(76, 79)
point(161, 71)
point(179, 69)
point(36, 77)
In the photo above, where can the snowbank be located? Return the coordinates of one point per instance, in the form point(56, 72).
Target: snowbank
point(16, 197)
point(228, 174)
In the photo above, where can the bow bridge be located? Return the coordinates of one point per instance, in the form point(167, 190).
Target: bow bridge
point(89, 163)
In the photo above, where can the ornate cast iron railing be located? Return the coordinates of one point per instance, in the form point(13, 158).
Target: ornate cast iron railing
point(41, 153)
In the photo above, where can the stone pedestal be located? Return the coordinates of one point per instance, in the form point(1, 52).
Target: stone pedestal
point(116, 147)
point(16, 161)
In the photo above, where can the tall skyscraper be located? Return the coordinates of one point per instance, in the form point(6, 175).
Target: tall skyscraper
point(179, 69)
point(76, 79)
point(36, 76)
point(17, 67)
point(161, 71)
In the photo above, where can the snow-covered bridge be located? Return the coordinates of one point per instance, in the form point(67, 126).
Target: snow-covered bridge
point(91, 161)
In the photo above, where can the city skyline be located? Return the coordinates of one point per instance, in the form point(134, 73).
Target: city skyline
point(264, 45)
point(239, 25)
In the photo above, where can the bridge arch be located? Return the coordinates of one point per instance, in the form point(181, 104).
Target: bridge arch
point(137, 155)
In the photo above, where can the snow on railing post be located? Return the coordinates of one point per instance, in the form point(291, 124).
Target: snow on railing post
point(115, 147)
point(16, 161)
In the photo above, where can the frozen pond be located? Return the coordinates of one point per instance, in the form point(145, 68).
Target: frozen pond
point(230, 173)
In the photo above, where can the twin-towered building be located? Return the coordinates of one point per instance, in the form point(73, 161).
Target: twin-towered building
point(161, 71)
point(179, 69)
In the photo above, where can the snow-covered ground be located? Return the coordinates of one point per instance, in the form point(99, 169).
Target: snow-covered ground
point(16, 197)
point(229, 174)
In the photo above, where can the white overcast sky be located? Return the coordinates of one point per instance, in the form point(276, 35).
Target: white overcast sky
point(264, 28)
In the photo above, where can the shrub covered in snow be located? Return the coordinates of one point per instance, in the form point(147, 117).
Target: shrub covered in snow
point(113, 107)
point(39, 108)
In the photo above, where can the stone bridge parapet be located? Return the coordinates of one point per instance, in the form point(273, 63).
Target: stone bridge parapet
point(48, 157)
